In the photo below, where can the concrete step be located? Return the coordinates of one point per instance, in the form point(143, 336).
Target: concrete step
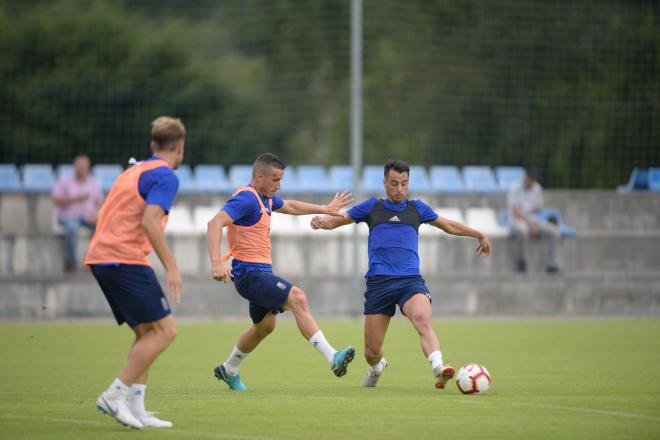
point(454, 295)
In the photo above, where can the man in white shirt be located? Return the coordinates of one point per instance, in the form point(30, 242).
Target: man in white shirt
point(525, 200)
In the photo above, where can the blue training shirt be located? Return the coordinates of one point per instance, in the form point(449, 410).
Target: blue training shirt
point(244, 210)
point(159, 186)
point(393, 247)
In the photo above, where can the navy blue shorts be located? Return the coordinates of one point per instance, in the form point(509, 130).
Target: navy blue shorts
point(385, 292)
point(133, 292)
point(265, 291)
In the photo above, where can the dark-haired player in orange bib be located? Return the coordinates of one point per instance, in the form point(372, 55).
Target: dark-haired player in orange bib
point(247, 219)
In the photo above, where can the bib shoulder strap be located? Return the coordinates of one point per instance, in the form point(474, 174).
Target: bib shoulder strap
point(256, 195)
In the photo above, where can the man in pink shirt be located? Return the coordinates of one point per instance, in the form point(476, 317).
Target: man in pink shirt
point(78, 198)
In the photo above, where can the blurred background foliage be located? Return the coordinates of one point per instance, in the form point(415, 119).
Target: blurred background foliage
point(569, 87)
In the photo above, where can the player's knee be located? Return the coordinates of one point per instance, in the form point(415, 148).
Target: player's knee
point(298, 299)
point(422, 321)
point(170, 334)
point(166, 332)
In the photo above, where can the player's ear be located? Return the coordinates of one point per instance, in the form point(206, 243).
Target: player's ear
point(257, 174)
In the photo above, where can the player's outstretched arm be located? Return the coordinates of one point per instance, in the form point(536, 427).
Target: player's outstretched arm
point(455, 228)
point(331, 221)
point(151, 223)
point(213, 241)
point(296, 207)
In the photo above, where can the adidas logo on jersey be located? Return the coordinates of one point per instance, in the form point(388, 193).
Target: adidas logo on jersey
point(394, 219)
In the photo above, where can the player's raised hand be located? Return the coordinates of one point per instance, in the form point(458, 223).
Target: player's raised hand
point(484, 247)
point(220, 272)
point(339, 201)
point(173, 280)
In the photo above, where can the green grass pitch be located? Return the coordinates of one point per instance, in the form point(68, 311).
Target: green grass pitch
point(553, 379)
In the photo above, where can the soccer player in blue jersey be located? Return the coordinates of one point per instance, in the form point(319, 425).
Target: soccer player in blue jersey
point(393, 277)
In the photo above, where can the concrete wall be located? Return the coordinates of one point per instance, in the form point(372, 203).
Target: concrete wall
point(330, 296)
point(610, 268)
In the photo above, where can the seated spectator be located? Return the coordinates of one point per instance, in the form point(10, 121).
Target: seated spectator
point(525, 200)
point(78, 198)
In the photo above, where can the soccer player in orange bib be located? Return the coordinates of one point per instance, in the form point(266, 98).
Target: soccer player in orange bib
point(247, 219)
point(131, 223)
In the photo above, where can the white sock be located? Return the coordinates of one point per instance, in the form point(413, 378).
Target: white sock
point(234, 360)
point(136, 398)
point(379, 367)
point(435, 359)
point(117, 389)
point(323, 346)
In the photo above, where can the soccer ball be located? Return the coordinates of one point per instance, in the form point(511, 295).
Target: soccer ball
point(473, 379)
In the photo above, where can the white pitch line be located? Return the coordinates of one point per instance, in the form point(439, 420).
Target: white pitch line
point(604, 412)
point(185, 432)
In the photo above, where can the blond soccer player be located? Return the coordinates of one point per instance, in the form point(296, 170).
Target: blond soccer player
point(131, 224)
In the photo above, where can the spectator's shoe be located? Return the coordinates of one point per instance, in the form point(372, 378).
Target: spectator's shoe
point(234, 381)
point(371, 378)
point(117, 408)
point(149, 420)
point(552, 269)
point(442, 376)
point(521, 266)
point(342, 359)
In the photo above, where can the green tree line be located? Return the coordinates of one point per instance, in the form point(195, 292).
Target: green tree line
point(569, 87)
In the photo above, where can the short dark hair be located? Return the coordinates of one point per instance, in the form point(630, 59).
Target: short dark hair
point(266, 160)
point(397, 165)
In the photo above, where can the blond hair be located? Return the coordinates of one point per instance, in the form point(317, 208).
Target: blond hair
point(166, 132)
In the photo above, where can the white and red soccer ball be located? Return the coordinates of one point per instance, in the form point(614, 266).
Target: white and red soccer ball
point(473, 379)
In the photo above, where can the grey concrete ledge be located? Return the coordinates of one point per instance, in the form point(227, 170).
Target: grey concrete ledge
point(461, 295)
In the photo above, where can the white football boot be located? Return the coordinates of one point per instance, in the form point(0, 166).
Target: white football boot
point(149, 420)
point(117, 407)
point(371, 378)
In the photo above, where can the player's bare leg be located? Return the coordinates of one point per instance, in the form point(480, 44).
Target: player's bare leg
point(297, 303)
point(418, 310)
point(338, 360)
point(375, 328)
point(247, 342)
point(150, 343)
point(150, 340)
point(138, 390)
point(253, 336)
